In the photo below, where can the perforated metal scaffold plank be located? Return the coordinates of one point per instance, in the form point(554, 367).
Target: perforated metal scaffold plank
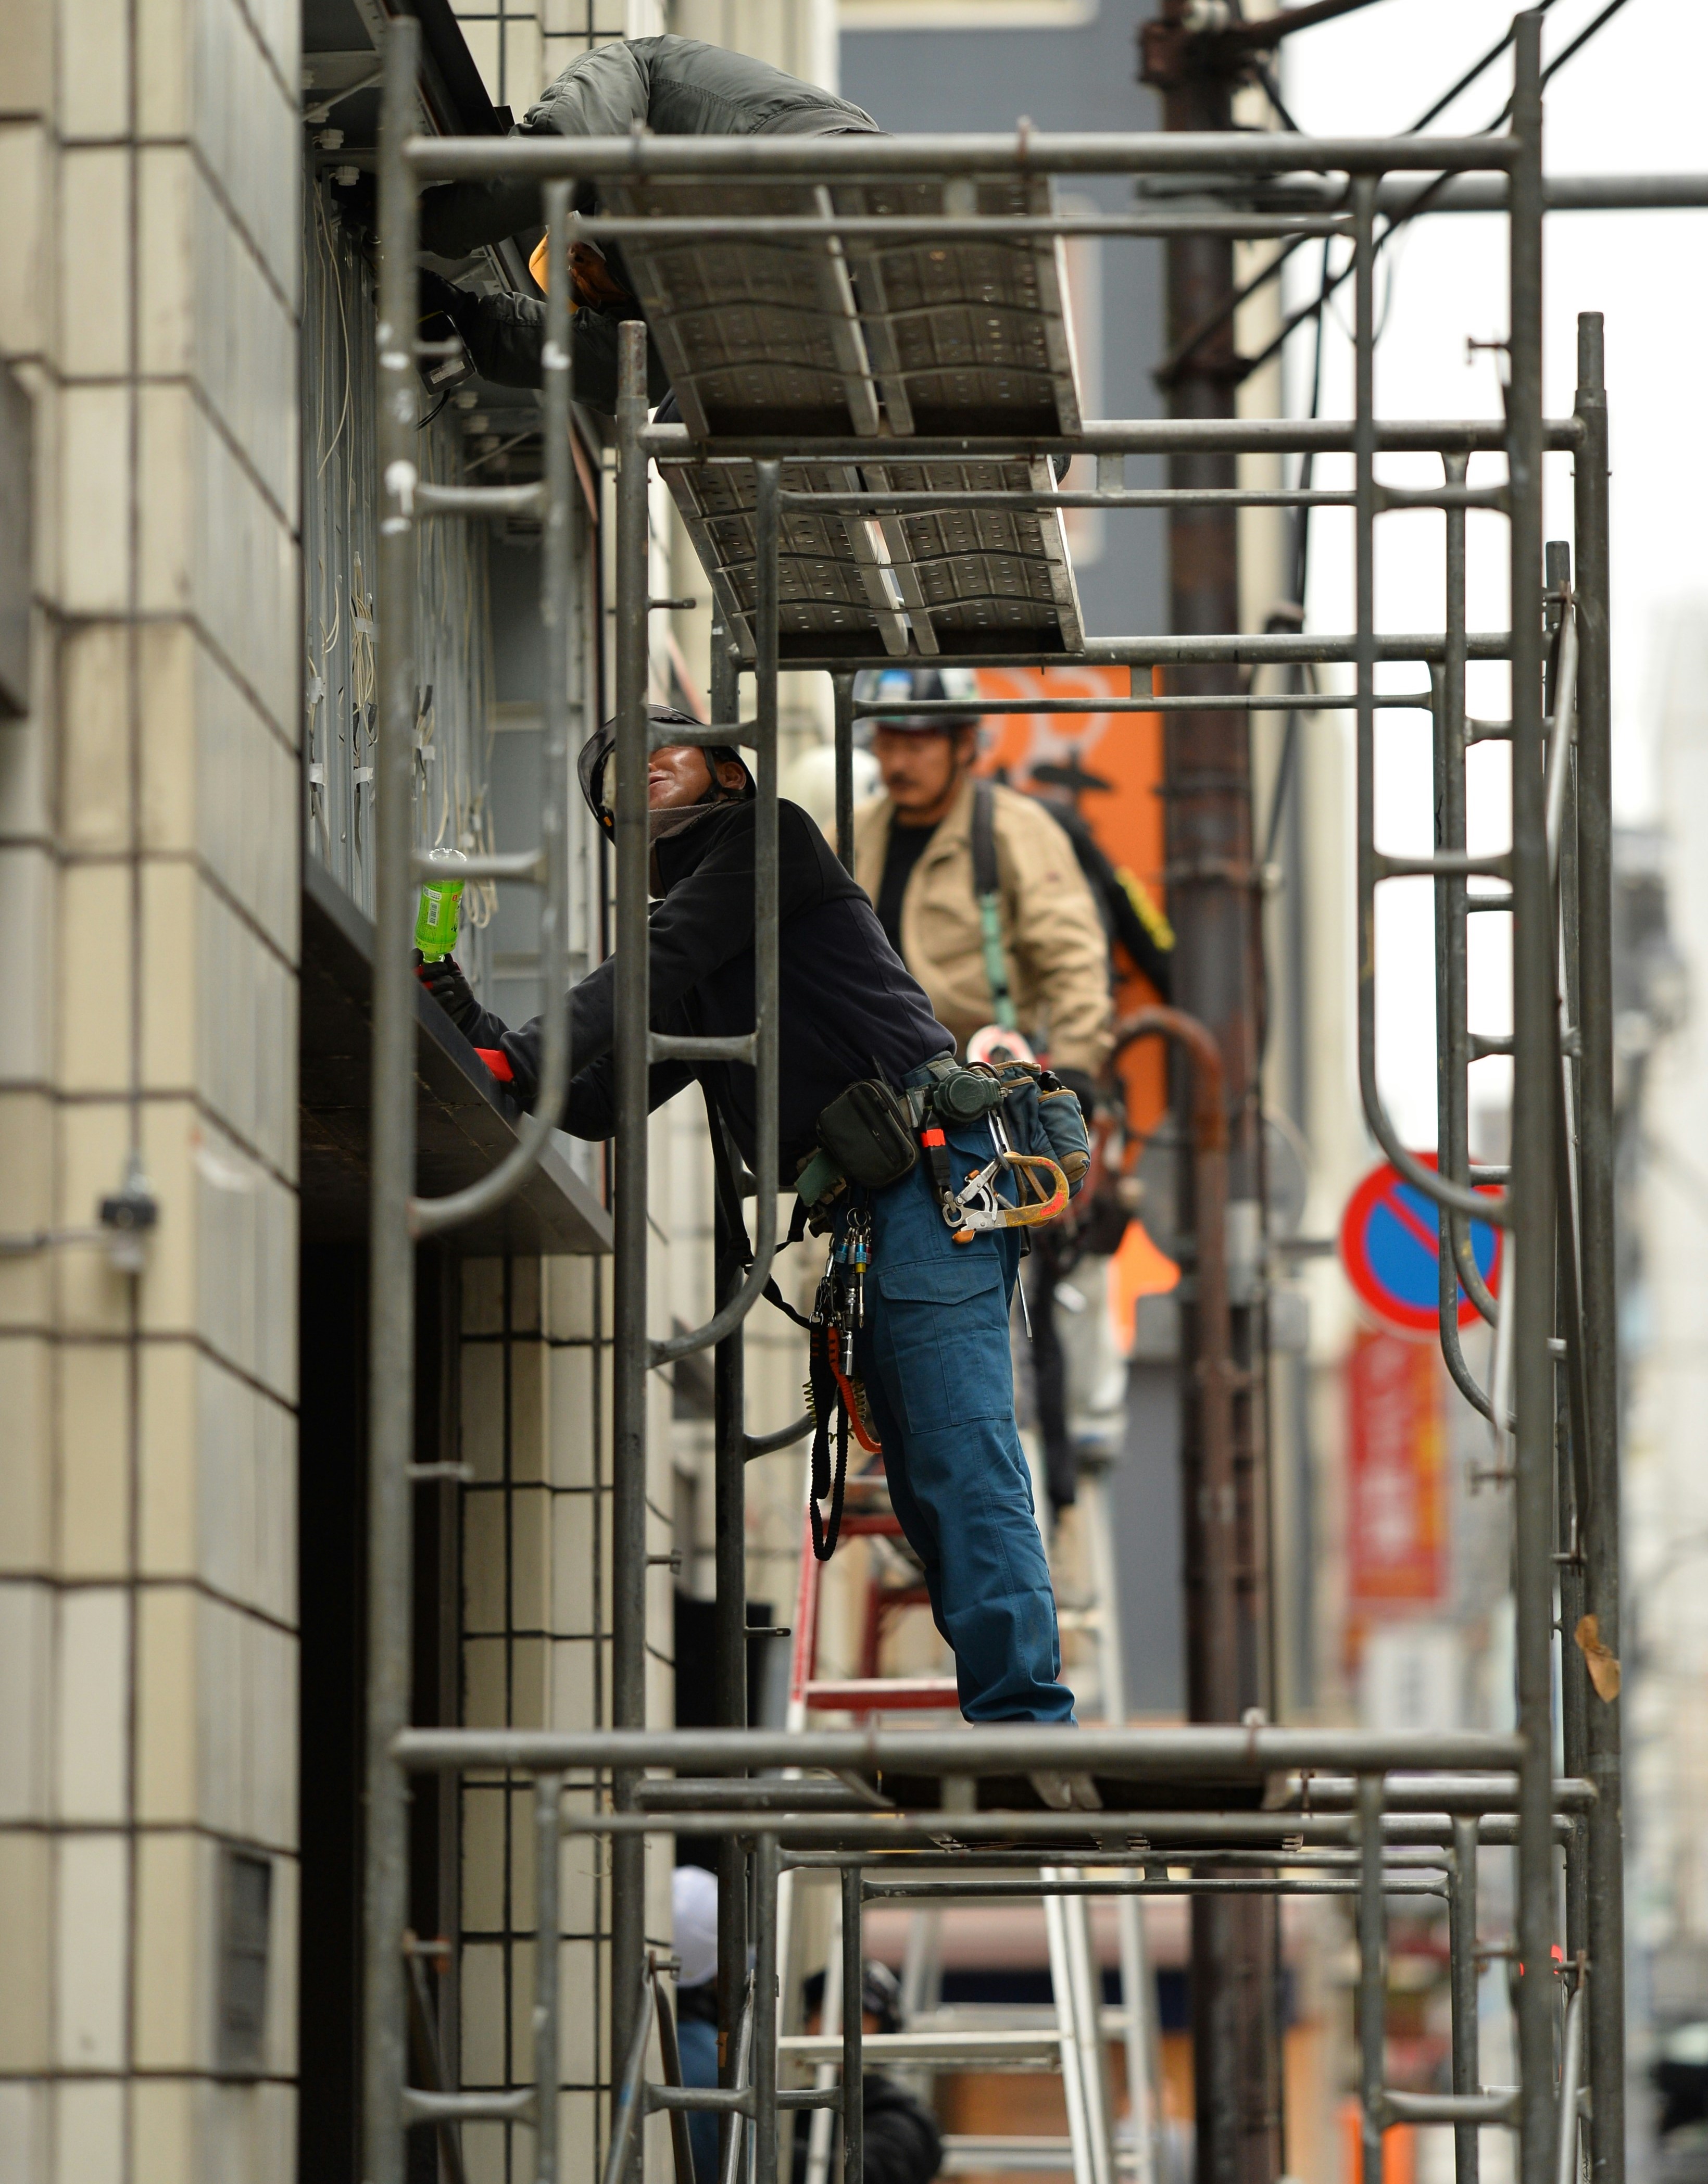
point(959, 579)
point(881, 339)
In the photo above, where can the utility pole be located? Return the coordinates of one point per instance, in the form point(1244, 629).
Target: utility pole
point(1196, 54)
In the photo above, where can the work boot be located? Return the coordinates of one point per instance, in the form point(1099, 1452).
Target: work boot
point(1062, 1793)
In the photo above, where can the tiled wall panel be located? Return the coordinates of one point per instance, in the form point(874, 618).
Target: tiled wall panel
point(149, 169)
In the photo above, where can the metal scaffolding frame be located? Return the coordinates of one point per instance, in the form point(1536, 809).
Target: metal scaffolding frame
point(1551, 1400)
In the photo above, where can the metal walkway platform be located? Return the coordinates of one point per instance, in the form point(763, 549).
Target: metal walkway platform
point(973, 581)
point(878, 338)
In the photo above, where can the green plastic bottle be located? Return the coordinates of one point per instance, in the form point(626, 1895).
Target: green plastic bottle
point(436, 920)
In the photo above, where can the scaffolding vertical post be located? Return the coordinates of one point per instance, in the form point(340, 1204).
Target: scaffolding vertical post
point(729, 1498)
point(557, 563)
point(1218, 977)
point(765, 1976)
point(854, 2011)
point(843, 686)
point(1461, 1954)
point(548, 1853)
point(1372, 1978)
point(1570, 1410)
point(1599, 1523)
point(629, 1394)
point(391, 1260)
point(1534, 1101)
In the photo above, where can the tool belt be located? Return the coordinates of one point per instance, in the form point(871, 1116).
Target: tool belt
point(872, 1136)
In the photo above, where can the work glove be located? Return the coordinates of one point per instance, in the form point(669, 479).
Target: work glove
point(445, 981)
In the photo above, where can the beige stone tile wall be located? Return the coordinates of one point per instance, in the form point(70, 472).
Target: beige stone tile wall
point(148, 165)
point(535, 1427)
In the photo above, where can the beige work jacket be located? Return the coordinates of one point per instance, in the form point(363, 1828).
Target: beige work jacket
point(1058, 953)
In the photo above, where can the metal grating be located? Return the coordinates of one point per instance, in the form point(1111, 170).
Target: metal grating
point(952, 335)
point(966, 336)
point(957, 580)
point(769, 337)
point(755, 334)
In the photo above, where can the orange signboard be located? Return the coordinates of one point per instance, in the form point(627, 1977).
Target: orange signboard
point(1397, 1507)
point(1125, 750)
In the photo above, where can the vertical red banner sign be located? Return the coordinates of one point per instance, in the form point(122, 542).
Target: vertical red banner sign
point(1397, 1512)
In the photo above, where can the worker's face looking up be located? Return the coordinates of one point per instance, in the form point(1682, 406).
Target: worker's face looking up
point(921, 773)
point(682, 774)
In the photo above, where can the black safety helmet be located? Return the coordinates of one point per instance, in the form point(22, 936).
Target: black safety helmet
point(877, 686)
point(879, 1995)
point(590, 766)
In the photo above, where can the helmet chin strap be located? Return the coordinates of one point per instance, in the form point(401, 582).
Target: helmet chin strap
point(677, 818)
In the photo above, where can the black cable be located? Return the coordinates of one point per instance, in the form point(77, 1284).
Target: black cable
point(1201, 332)
point(1470, 77)
point(1582, 38)
point(1272, 91)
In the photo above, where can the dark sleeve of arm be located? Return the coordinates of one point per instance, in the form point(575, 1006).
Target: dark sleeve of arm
point(901, 2144)
point(590, 1109)
point(459, 218)
point(603, 93)
point(703, 923)
point(506, 334)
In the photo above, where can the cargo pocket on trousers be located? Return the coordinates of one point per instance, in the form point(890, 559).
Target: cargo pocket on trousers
point(945, 1329)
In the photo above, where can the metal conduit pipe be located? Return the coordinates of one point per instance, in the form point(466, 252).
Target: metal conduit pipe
point(629, 1343)
point(1027, 151)
point(729, 1498)
point(766, 958)
point(1212, 1752)
point(885, 1830)
point(847, 713)
point(1462, 1975)
point(1599, 1521)
point(854, 2029)
point(391, 1260)
point(1370, 864)
point(1453, 1043)
point(1135, 436)
point(1529, 1286)
point(432, 1217)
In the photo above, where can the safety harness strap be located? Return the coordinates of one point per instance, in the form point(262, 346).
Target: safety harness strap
point(986, 887)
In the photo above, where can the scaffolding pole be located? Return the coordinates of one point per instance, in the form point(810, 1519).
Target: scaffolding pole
point(766, 1827)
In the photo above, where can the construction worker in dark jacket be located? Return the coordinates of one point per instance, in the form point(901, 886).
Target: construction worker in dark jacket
point(932, 1352)
point(664, 87)
point(900, 2142)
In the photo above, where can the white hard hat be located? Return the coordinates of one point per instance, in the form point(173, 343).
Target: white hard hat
point(694, 1923)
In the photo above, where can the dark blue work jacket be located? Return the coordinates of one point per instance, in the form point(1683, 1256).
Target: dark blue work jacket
point(849, 1007)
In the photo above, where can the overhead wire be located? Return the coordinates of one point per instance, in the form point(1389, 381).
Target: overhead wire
point(1286, 765)
point(1200, 332)
point(1422, 202)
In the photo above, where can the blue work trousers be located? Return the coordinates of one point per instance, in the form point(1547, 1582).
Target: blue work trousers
point(934, 1356)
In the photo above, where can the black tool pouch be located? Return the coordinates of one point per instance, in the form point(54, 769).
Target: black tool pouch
point(868, 1132)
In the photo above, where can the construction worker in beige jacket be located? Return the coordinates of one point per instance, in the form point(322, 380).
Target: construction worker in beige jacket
point(915, 854)
point(982, 897)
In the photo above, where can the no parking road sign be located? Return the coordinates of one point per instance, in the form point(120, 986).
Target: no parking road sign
point(1390, 1245)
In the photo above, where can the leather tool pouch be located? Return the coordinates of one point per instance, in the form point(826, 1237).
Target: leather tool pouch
point(868, 1132)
